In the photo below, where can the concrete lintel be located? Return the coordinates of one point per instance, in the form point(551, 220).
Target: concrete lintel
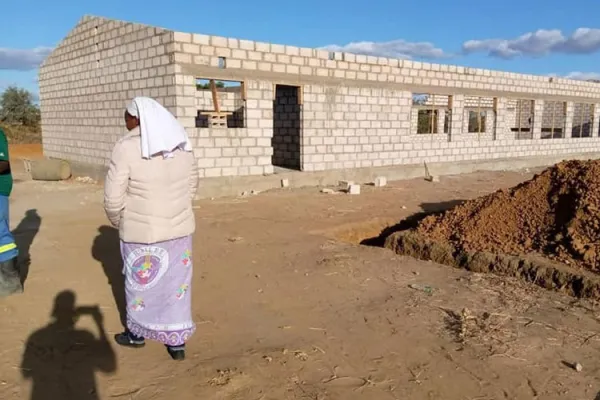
point(237, 74)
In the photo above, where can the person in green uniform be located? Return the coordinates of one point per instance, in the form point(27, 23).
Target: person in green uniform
point(10, 279)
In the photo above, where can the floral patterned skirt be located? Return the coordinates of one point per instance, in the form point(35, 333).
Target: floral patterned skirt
point(158, 279)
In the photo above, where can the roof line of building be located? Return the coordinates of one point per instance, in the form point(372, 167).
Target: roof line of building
point(370, 59)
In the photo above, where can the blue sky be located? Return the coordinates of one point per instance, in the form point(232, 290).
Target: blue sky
point(535, 36)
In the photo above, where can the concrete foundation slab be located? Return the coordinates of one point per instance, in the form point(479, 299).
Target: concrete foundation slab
point(235, 185)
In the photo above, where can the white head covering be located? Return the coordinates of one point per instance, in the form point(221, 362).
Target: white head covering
point(159, 129)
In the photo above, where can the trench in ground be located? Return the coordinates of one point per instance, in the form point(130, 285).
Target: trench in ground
point(544, 273)
point(373, 232)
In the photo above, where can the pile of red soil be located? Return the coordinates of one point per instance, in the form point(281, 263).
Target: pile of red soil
point(555, 214)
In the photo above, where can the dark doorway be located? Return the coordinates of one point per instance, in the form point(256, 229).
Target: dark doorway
point(287, 127)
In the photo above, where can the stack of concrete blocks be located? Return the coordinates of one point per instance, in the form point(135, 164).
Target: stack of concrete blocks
point(380, 181)
point(356, 109)
point(230, 101)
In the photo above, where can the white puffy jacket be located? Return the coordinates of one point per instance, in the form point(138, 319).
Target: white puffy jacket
point(150, 201)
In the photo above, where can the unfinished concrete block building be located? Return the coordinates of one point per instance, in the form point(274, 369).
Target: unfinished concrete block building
point(261, 110)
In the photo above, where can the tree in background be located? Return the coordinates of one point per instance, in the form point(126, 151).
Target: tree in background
point(206, 85)
point(17, 108)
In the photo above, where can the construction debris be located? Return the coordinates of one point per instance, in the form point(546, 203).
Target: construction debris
point(354, 189)
point(328, 191)
point(85, 179)
point(250, 193)
point(345, 185)
point(380, 181)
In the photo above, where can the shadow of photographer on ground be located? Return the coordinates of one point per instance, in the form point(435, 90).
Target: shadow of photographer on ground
point(61, 360)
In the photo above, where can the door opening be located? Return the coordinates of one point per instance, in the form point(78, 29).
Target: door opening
point(287, 127)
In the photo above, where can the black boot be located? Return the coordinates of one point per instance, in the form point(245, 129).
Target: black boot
point(177, 353)
point(10, 279)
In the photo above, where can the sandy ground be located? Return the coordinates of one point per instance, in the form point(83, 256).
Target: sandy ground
point(288, 307)
point(19, 151)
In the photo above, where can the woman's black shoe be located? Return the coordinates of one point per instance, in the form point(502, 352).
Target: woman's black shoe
point(176, 353)
point(127, 339)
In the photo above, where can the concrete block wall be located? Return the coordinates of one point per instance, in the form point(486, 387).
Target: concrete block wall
point(357, 111)
point(569, 119)
point(520, 115)
point(224, 152)
point(596, 119)
point(487, 121)
point(434, 99)
point(553, 119)
point(250, 56)
point(441, 108)
point(484, 105)
point(583, 114)
point(538, 110)
point(457, 118)
point(359, 115)
point(229, 101)
point(86, 83)
point(347, 127)
point(388, 139)
point(287, 119)
point(474, 102)
point(501, 119)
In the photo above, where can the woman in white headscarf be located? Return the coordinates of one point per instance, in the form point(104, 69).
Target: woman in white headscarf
point(149, 188)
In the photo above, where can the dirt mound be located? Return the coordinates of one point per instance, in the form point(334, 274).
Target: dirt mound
point(555, 214)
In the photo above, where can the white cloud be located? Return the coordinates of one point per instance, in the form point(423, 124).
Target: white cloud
point(583, 76)
point(578, 76)
point(583, 41)
point(22, 59)
point(538, 43)
point(392, 49)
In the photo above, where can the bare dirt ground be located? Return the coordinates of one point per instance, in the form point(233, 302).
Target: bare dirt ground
point(19, 151)
point(287, 308)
